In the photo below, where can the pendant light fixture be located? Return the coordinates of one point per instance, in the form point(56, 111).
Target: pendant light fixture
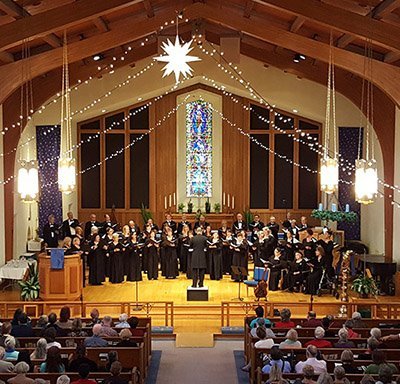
point(28, 175)
point(366, 180)
point(66, 163)
point(329, 172)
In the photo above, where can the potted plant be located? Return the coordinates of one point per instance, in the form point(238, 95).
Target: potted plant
point(208, 205)
point(146, 214)
point(365, 286)
point(190, 207)
point(217, 208)
point(181, 207)
point(248, 216)
point(30, 287)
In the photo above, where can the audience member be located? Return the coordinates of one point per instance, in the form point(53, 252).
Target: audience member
point(357, 320)
point(23, 328)
point(311, 359)
point(312, 321)
point(349, 325)
point(276, 358)
point(21, 369)
point(385, 375)
point(133, 322)
point(339, 375)
point(42, 321)
point(372, 345)
point(111, 358)
point(53, 363)
point(5, 366)
point(343, 340)
point(5, 332)
point(76, 329)
point(78, 358)
point(50, 335)
point(40, 350)
point(308, 375)
point(291, 340)
point(15, 319)
point(53, 324)
point(106, 329)
point(379, 360)
point(115, 371)
point(261, 323)
point(318, 340)
point(10, 345)
point(125, 336)
point(285, 319)
point(347, 359)
point(259, 315)
point(63, 379)
point(95, 340)
point(24, 356)
point(324, 378)
point(65, 321)
point(275, 376)
point(264, 341)
point(123, 321)
point(95, 316)
point(84, 371)
point(327, 323)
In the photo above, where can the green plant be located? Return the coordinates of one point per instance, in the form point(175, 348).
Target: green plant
point(217, 208)
point(248, 216)
point(146, 214)
point(364, 286)
point(339, 216)
point(30, 287)
point(190, 206)
point(181, 207)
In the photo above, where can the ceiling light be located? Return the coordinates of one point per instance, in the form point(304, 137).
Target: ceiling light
point(98, 57)
point(298, 57)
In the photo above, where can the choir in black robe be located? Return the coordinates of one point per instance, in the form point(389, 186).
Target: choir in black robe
point(270, 244)
point(88, 228)
point(202, 224)
point(116, 252)
point(215, 259)
point(317, 264)
point(50, 235)
point(259, 252)
point(309, 247)
point(297, 275)
point(239, 258)
point(239, 226)
point(170, 258)
point(125, 241)
point(181, 224)
point(184, 244)
point(134, 271)
point(328, 248)
point(68, 228)
point(107, 240)
point(276, 265)
point(96, 263)
point(171, 224)
point(151, 252)
point(227, 255)
point(189, 269)
point(290, 248)
point(274, 228)
point(108, 224)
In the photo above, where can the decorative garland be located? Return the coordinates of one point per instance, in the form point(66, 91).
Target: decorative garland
point(339, 216)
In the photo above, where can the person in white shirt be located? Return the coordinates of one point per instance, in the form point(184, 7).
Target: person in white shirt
point(311, 354)
point(123, 321)
point(264, 342)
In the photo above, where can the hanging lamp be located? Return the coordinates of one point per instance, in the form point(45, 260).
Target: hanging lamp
point(329, 170)
point(66, 163)
point(366, 175)
point(28, 175)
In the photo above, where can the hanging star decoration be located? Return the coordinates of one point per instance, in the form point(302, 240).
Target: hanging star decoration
point(177, 58)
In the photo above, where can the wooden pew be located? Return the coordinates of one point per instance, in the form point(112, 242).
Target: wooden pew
point(132, 376)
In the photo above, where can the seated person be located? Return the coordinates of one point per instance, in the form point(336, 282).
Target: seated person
point(53, 324)
point(11, 353)
point(312, 321)
point(276, 359)
point(40, 351)
point(291, 340)
point(339, 375)
point(308, 376)
point(106, 329)
point(50, 335)
point(311, 359)
point(133, 322)
point(385, 375)
point(65, 321)
point(261, 323)
point(264, 340)
point(115, 371)
point(343, 341)
point(285, 320)
point(21, 369)
point(259, 315)
point(95, 340)
point(5, 366)
point(79, 358)
point(347, 359)
point(95, 317)
point(319, 341)
point(379, 360)
point(125, 336)
point(84, 371)
point(123, 321)
point(23, 328)
point(357, 320)
point(53, 363)
point(349, 325)
point(275, 376)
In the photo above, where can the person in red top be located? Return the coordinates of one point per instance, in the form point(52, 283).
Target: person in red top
point(349, 325)
point(319, 341)
point(312, 321)
point(285, 320)
point(84, 371)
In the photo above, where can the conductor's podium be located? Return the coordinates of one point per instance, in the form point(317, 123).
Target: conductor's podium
point(60, 284)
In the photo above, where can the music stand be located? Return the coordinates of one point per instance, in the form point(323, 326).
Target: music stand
point(137, 307)
point(240, 271)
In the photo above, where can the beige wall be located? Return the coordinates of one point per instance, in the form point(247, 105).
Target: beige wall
point(284, 90)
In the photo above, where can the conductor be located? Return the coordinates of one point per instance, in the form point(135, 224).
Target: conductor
point(199, 244)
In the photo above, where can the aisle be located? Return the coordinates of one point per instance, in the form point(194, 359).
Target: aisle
point(197, 365)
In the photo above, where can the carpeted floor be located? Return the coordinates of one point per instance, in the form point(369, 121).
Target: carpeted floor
point(154, 367)
point(242, 377)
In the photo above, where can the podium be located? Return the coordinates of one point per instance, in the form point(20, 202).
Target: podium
point(60, 284)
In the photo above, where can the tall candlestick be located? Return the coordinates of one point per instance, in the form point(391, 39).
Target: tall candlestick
point(223, 198)
point(320, 207)
point(347, 208)
point(165, 202)
point(233, 202)
point(170, 200)
point(174, 198)
point(333, 207)
point(229, 200)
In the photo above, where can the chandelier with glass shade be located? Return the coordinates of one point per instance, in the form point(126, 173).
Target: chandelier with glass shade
point(366, 175)
point(329, 169)
point(28, 175)
point(66, 163)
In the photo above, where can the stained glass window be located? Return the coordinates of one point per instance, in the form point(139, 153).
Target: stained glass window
point(198, 149)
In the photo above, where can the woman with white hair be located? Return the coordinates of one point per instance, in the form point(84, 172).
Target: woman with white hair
point(357, 320)
point(318, 340)
point(291, 340)
point(63, 379)
point(344, 341)
point(11, 353)
point(123, 321)
point(21, 369)
point(40, 351)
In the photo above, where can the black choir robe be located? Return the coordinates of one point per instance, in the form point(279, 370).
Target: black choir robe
point(215, 259)
point(108, 224)
point(125, 241)
point(317, 265)
point(170, 257)
point(274, 228)
point(259, 253)
point(270, 243)
point(255, 226)
point(66, 226)
point(294, 231)
point(276, 265)
point(297, 275)
point(181, 224)
point(309, 248)
point(151, 251)
point(239, 226)
point(134, 271)
point(183, 245)
point(227, 255)
point(239, 258)
point(171, 224)
point(50, 235)
point(203, 226)
point(328, 248)
point(290, 249)
point(96, 263)
point(88, 228)
point(116, 252)
point(106, 242)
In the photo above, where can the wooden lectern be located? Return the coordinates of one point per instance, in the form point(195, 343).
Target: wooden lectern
point(60, 284)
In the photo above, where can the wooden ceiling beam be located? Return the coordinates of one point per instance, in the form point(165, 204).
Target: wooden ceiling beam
point(52, 40)
point(248, 8)
point(101, 24)
point(341, 20)
point(384, 8)
point(149, 9)
point(13, 9)
point(297, 24)
point(57, 19)
point(391, 57)
point(7, 57)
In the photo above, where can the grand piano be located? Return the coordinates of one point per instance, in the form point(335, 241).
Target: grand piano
point(382, 271)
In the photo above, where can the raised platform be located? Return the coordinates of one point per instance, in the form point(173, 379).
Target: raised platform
point(197, 294)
